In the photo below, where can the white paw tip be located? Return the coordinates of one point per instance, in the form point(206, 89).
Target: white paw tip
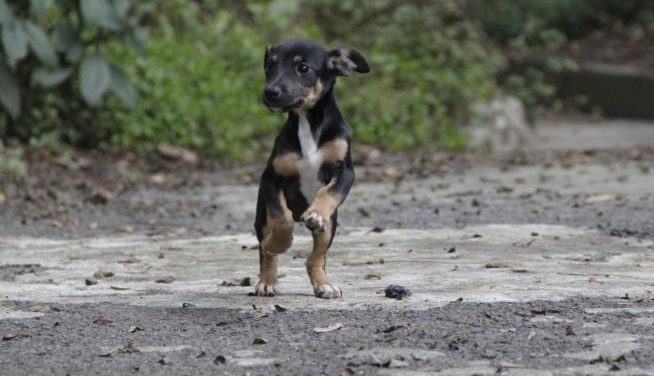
point(328, 292)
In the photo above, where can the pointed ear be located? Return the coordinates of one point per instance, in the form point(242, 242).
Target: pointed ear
point(343, 62)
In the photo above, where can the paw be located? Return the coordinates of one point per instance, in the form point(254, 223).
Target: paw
point(313, 221)
point(266, 289)
point(328, 291)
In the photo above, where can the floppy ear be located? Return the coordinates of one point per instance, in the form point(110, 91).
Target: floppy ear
point(344, 61)
point(268, 50)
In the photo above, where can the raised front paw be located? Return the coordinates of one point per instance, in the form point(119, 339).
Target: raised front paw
point(328, 291)
point(313, 221)
point(266, 289)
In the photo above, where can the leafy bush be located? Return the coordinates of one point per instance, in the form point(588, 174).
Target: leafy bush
point(429, 62)
point(52, 67)
point(200, 86)
point(202, 78)
point(529, 33)
point(200, 83)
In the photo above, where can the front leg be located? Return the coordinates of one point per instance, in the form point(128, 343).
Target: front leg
point(274, 227)
point(320, 218)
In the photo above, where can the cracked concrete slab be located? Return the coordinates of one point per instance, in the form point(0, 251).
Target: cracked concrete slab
point(485, 263)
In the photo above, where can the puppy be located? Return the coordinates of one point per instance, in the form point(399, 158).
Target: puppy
point(309, 172)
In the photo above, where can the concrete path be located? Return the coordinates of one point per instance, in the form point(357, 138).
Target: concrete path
point(536, 270)
point(488, 263)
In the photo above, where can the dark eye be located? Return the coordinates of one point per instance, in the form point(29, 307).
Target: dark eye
point(302, 68)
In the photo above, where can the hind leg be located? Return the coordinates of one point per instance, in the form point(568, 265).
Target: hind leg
point(317, 261)
point(274, 227)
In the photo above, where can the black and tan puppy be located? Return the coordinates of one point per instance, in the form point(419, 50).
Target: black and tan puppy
point(309, 172)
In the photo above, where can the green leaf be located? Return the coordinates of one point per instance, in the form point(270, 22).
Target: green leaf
point(94, 77)
point(6, 15)
point(139, 37)
point(46, 77)
point(99, 13)
point(121, 7)
point(14, 40)
point(67, 41)
point(9, 92)
point(38, 7)
point(121, 86)
point(41, 45)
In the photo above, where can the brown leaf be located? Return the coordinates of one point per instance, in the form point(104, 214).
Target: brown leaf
point(166, 279)
point(174, 152)
point(102, 320)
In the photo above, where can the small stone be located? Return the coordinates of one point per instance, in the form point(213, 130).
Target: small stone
point(90, 282)
point(397, 292)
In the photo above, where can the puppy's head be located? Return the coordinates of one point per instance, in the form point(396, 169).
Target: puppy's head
point(299, 72)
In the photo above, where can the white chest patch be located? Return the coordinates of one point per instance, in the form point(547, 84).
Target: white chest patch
point(311, 161)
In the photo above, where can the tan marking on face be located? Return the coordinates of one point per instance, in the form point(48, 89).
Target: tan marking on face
point(297, 59)
point(334, 151)
point(278, 231)
point(273, 58)
point(286, 165)
point(313, 96)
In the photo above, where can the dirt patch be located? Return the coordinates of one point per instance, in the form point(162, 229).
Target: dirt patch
point(9, 272)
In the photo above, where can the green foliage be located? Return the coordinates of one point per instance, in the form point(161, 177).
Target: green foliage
point(530, 32)
point(199, 75)
point(201, 81)
point(429, 64)
point(200, 87)
point(53, 70)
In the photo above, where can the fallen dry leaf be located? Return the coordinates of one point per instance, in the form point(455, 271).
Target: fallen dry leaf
point(259, 341)
point(134, 328)
point(38, 308)
point(166, 279)
point(102, 320)
point(599, 198)
point(519, 270)
point(373, 275)
point(531, 335)
point(329, 328)
point(496, 265)
point(174, 152)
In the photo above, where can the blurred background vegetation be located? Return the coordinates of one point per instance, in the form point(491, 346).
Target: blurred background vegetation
point(137, 74)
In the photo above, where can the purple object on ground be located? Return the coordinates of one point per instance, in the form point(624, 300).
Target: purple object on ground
point(397, 292)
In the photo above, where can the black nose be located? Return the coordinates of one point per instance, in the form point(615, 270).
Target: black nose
point(272, 92)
